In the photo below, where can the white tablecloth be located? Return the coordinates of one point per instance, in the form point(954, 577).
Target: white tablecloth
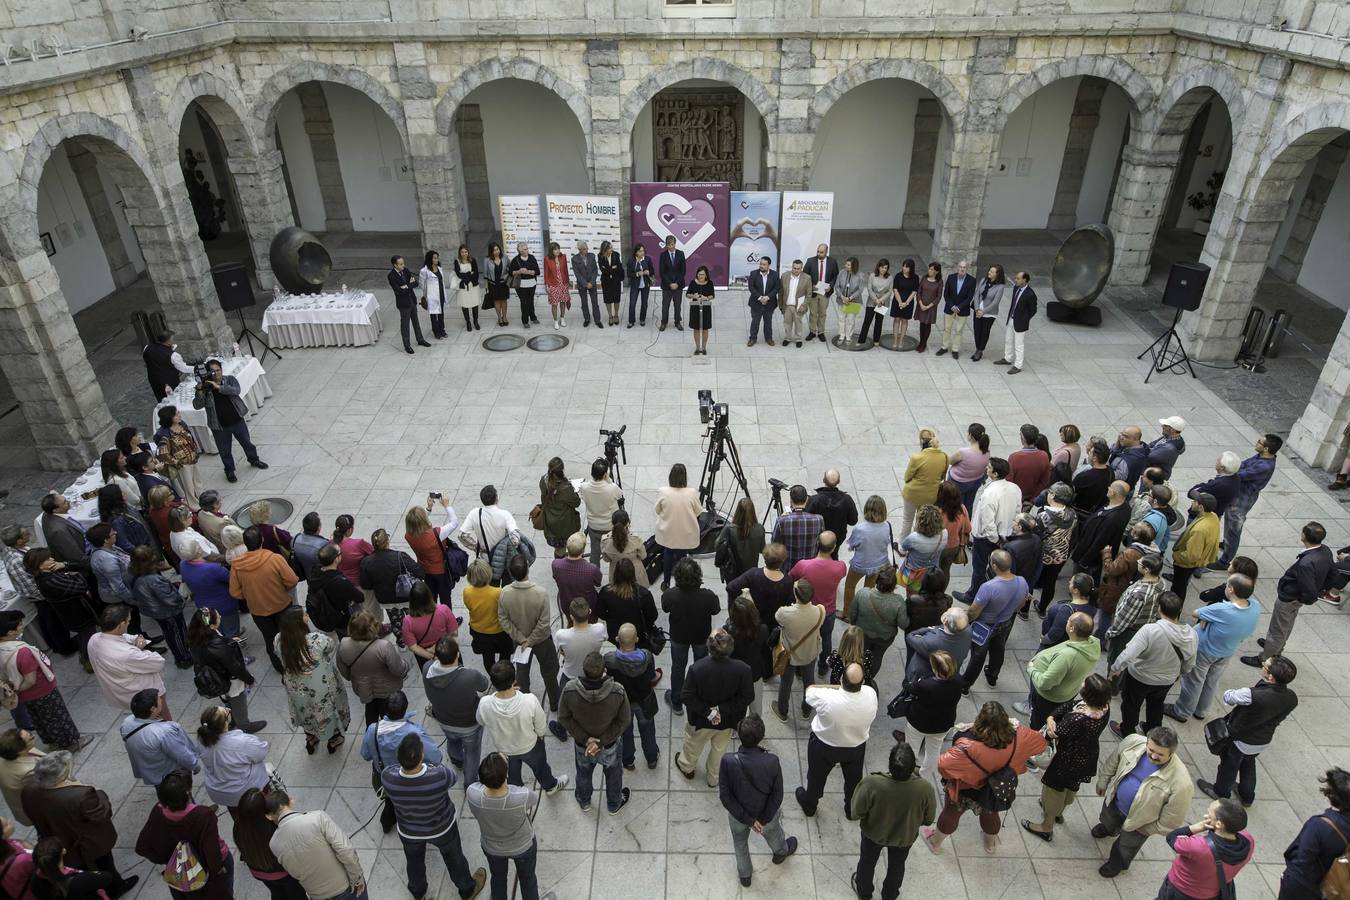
point(337, 319)
point(253, 387)
point(83, 511)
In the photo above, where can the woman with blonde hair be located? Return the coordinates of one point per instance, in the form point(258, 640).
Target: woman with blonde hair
point(870, 540)
point(481, 599)
point(426, 542)
point(922, 548)
point(621, 543)
point(929, 708)
point(925, 472)
point(852, 649)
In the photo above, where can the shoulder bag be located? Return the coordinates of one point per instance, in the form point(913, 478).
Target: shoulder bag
point(1226, 889)
point(1000, 786)
point(1217, 737)
point(782, 654)
point(1336, 883)
point(405, 581)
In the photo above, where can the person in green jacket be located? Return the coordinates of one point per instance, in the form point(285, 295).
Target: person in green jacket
point(882, 613)
point(890, 807)
point(1057, 672)
point(559, 504)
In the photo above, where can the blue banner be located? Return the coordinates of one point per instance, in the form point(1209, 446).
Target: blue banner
point(754, 231)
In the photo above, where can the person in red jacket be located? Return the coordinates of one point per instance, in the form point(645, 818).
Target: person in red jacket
point(1030, 465)
point(994, 741)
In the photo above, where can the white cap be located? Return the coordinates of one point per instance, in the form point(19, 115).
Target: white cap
point(1176, 423)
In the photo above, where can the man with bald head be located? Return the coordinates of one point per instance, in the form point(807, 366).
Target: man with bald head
point(1129, 456)
point(1104, 528)
point(992, 612)
point(836, 507)
point(843, 718)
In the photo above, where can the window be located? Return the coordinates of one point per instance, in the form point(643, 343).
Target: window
point(699, 9)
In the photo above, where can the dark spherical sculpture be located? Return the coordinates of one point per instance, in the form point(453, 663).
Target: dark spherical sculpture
point(1082, 265)
point(299, 262)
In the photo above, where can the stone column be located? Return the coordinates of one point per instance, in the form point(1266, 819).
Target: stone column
point(323, 146)
point(975, 140)
point(787, 164)
point(41, 353)
point(1325, 170)
point(429, 151)
point(85, 167)
point(604, 72)
point(1087, 107)
point(1247, 217)
point(1147, 165)
point(922, 162)
point(1316, 436)
point(166, 228)
point(473, 163)
point(264, 205)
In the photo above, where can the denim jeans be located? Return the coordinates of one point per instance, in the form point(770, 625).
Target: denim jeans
point(826, 641)
point(608, 759)
point(1233, 520)
point(225, 438)
point(229, 625)
point(415, 852)
point(537, 759)
point(669, 555)
point(740, 841)
point(22, 718)
point(968, 490)
point(646, 728)
point(979, 565)
point(529, 884)
point(464, 746)
point(1199, 684)
point(679, 660)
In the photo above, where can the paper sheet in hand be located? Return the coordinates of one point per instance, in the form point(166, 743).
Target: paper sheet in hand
point(522, 656)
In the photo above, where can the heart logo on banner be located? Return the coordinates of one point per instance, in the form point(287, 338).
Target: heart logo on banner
point(752, 228)
point(691, 223)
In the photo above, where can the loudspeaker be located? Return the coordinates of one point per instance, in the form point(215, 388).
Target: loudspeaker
point(1185, 285)
point(232, 286)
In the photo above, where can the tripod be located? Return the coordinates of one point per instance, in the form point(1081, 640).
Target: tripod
point(1168, 351)
point(721, 448)
point(775, 505)
point(614, 447)
point(246, 334)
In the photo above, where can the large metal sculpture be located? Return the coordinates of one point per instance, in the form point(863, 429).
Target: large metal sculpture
point(1081, 269)
point(299, 262)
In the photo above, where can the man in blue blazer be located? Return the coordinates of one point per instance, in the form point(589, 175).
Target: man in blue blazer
point(763, 300)
point(1020, 313)
point(956, 295)
point(672, 282)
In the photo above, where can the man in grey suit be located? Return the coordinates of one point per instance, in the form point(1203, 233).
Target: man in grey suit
point(65, 538)
point(586, 272)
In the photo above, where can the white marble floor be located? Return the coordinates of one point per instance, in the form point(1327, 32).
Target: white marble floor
point(369, 431)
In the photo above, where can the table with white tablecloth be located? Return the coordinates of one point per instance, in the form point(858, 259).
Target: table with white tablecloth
point(253, 388)
point(346, 318)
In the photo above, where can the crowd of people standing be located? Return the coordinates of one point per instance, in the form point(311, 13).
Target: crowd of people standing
point(372, 618)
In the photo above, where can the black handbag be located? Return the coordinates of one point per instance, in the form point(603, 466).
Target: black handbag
point(898, 708)
point(1217, 738)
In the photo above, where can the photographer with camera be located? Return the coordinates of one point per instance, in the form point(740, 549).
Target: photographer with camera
point(219, 395)
point(601, 498)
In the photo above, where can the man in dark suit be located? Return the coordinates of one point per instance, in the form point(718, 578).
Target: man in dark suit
point(823, 271)
point(64, 537)
point(672, 282)
point(1020, 313)
point(957, 295)
point(763, 298)
point(402, 280)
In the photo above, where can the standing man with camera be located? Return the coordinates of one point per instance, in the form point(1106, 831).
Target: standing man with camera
point(218, 394)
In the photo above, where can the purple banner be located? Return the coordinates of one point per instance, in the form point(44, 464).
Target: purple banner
point(696, 214)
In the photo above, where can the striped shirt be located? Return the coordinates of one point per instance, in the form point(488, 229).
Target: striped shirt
point(421, 800)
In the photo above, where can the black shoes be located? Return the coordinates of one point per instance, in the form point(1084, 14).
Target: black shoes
point(423, 344)
point(231, 477)
point(790, 845)
point(257, 464)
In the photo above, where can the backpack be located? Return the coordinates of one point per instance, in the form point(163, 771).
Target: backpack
point(1336, 883)
point(209, 682)
point(1000, 786)
point(184, 872)
point(9, 693)
point(320, 613)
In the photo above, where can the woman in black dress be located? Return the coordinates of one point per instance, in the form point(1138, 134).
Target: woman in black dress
point(1075, 729)
point(905, 300)
point(700, 294)
point(495, 275)
point(611, 279)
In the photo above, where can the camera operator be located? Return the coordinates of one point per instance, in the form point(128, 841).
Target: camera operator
point(836, 507)
point(602, 499)
point(218, 394)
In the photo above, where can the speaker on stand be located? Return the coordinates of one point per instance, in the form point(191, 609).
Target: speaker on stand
point(1185, 287)
point(236, 295)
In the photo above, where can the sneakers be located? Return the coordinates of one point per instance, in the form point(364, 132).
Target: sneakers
point(557, 785)
point(563, 321)
point(1330, 598)
point(791, 847)
point(556, 326)
point(622, 803)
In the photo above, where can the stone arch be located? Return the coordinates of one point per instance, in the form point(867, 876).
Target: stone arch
point(1176, 108)
point(524, 70)
point(79, 126)
point(905, 69)
point(221, 101)
point(1303, 134)
point(276, 87)
point(1111, 69)
point(702, 67)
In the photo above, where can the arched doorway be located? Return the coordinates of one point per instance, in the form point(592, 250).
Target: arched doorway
point(204, 157)
point(699, 129)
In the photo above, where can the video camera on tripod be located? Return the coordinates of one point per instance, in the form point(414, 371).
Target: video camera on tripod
point(614, 452)
point(710, 412)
